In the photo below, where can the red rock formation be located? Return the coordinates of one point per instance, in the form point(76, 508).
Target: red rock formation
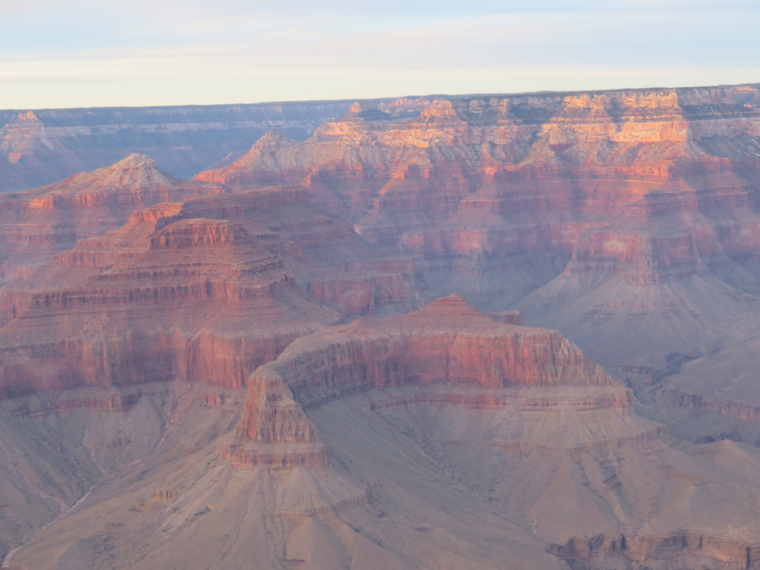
point(203, 289)
point(447, 342)
point(652, 189)
point(44, 221)
point(330, 261)
point(519, 414)
point(160, 298)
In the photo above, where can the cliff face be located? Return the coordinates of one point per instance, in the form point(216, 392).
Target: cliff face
point(204, 289)
point(645, 198)
point(521, 416)
point(330, 261)
point(163, 297)
point(447, 342)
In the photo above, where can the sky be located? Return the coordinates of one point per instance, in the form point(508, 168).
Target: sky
point(95, 53)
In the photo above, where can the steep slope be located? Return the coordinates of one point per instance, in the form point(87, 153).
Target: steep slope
point(438, 439)
point(160, 298)
point(610, 204)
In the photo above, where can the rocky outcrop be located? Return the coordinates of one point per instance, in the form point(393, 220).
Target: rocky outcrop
point(330, 261)
point(447, 342)
point(521, 416)
point(585, 207)
point(161, 298)
point(205, 289)
point(44, 221)
point(709, 551)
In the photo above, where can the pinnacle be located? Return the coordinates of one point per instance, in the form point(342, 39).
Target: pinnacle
point(136, 160)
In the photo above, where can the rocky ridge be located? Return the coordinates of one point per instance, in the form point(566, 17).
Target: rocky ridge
point(586, 208)
point(521, 416)
point(38, 147)
point(44, 221)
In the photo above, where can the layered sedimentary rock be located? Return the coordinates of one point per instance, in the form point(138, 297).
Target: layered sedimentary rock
point(443, 437)
point(162, 298)
point(330, 261)
point(204, 289)
point(42, 146)
point(518, 414)
point(448, 341)
point(41, 222)
point(610, 204)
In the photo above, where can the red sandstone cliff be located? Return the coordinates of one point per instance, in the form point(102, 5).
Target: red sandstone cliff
point(446, 342)
point(205, 289)
point(160, 298)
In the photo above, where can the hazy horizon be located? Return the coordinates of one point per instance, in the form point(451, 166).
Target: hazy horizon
point(186, 52)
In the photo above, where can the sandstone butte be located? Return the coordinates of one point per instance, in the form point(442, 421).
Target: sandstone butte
point(488, 394)
point(626, 213)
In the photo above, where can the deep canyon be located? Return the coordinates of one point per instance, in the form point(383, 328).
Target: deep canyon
point(468, 332)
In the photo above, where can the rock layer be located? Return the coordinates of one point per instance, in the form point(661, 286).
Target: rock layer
point(599, 205)
point(44, 221)
point(521, 416)
point(161, 298)
point(447, 342)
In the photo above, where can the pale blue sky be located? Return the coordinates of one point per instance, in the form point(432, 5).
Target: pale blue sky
point(81, 53)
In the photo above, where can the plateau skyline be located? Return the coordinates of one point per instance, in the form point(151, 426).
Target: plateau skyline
point(83, 53)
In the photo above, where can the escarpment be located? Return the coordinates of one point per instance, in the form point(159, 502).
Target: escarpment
point(159, 299)
point(448, 342)
point(583, 208)
point(516, 412)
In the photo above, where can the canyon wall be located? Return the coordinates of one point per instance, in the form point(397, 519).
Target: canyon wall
point(194, 299)
point(42, 146)
point(446, 342)
point(205, 288)
point(626, 219)
point(607, 211)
